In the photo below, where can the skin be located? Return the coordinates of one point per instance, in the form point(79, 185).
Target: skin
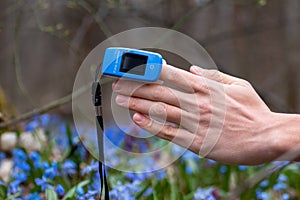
point(212, 114)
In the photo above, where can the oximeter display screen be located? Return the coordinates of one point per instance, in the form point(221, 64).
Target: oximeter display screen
point(133, 63)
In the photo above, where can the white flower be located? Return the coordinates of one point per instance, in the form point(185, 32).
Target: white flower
point(5, 169)
point(32, 141)
point(8, 141)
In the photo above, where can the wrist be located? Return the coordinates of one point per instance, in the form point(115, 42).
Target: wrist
point(283, 132)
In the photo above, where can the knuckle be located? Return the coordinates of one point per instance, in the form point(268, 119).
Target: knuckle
point(174, 113)
point(246, 83)
point(197, 85)
point(168, 132)
point(133, 103)
point(200, 85)
point(197, 143)
point(157, 93)
point(158, 109)
point(206, 108)
point(215, 74)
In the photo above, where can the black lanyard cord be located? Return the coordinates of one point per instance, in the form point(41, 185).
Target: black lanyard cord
point(96, 92)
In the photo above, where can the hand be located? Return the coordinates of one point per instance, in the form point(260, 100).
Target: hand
point(216, 115)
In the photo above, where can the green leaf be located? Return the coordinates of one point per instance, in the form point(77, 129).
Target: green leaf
point(69, 135)
point(13, 196)
point(144, 188)
point(72, 192)
point(174, 190)
point(51, 194)
point(3, 191)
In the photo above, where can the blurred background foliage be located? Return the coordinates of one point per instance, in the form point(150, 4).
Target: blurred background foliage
point(44, 42)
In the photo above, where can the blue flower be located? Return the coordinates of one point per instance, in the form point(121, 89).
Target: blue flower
point(50, 173)
point(92, 167)
point(20, 158)
point(202, 194)
point(210, 161)
point(81, 152)
point(80, 191)
point(19, 155)
point(137, 176)
point(36, 159)
point(60, 190)
point(262, 195)
point(242, 167)
point(161, 175)
point(2, 183)
point(24, 166)
point(91, 194)
point(34, 156)
point(44, 165)
point(223, 169)
point(2, 156)
point(189, 170)
point(177, 150)
point(143, 147)
point(33, 196)
point(31, 126)
point(281, 185)
point(188, 155)
point(60, 141)
point(285, 196)
point(282, 178)
point(20, 176)
point(264, 183)
point(126, 191)
point(69, 167)
point(115, 135)
point(114, 194)
point(95, 185)
point(148, 192)
point(38, 121)
point(13, 187)
point(44, 119)
point(43, 183)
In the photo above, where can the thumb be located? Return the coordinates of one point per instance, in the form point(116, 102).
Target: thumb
point(214, 75)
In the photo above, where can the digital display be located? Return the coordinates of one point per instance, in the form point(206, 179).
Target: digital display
point(133, 63)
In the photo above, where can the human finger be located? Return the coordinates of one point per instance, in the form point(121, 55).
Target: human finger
point(176, 135)
point(159, 110)
point(154, 92)
point(214, 75)
point(180, 78)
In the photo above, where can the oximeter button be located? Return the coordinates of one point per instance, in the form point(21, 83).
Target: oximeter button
point(151, 67)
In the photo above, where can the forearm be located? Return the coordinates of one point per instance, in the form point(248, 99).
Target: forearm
point(284, 134)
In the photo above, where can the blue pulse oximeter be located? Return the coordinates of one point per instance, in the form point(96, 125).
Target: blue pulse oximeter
point(132, 64)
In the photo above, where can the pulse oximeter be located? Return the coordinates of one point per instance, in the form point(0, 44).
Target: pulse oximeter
point(132, 64)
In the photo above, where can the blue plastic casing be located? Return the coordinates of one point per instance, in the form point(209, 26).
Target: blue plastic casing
point(119, 62)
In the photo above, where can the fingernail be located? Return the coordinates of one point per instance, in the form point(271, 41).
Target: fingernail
point(122, 100)
point(138, 118)
point(196, 69)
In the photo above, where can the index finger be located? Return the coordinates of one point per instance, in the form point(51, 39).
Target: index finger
point(179, 78)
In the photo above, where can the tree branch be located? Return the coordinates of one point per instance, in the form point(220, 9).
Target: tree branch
point(52, 105)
